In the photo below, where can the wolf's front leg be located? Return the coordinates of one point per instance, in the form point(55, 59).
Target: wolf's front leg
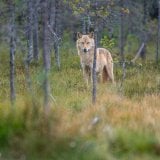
point(85, 76)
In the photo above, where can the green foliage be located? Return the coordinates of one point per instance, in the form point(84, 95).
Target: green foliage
point(107, 43)
point(132, 143)
point(132, 46)
point(82, 6)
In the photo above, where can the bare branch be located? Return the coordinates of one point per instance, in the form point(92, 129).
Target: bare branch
point(138, 53)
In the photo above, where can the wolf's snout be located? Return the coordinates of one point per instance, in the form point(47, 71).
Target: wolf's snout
point(85, 50)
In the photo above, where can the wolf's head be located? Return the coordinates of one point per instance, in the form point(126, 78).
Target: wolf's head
point(85, 43)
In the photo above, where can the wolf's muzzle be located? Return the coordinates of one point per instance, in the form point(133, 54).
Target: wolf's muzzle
point(84, 50)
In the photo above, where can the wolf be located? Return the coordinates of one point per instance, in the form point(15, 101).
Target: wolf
point(104, 64)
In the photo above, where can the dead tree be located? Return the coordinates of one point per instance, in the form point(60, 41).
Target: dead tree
point(144, 32)
point(30, 28)
point(56, 40)
point(84, 25)
point(138, 53)
point(88, 24)
point(46, 56)
point(122, 61)
point(35, 31)
point(94, 75)
point(12, 51)
point(121, 31)
point(158, 32)
point(54, 27)
point(29, 35)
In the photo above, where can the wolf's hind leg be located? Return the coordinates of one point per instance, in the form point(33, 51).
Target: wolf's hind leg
point(109, 68)
point(105, 75)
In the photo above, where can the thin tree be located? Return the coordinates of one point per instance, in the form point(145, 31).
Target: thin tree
point(30, 29)
point(29, 42)
point(94, 75)
point(122, 59)
point(12, 51)
point(53, 26)
point(144, 38)
point(88, 24)
point(158, 32)
point(46, 56)
point(121, 31)
point(138, 53)
point(35, 31)
point(84, 25)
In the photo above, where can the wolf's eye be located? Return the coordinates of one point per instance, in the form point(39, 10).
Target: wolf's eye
point(88, 42)
point(82, 42)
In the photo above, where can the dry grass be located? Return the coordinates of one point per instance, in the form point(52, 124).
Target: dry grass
point(116, 111)
point(122, 125)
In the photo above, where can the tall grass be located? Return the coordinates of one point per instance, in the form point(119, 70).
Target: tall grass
point(124, 123)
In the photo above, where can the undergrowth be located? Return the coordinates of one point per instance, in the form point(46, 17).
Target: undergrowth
point(124, 123)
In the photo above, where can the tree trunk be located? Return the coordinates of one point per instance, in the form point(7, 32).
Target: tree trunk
point(35, 32)
point(158, 32)
point(54, 28)
point(12, 52)
point(122, 40)
point(46, 56)
point(138, 53)
point(94, 76)
point(30, 30)
point(52, 13)
point(83, 25)
point(56, 41)
point(143, 53)
point(29, 42)
point(88, 24)
point(122, 32)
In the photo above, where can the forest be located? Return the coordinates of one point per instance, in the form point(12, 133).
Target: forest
point(48, 112)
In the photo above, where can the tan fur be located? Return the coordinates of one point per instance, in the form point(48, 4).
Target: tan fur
point(104, 64)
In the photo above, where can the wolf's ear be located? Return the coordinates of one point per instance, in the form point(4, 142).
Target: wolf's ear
point(91, 34)
point(79, 35)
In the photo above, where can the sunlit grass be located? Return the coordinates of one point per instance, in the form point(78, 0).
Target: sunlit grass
point(123, 124)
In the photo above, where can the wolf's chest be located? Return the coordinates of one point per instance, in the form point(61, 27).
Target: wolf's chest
point(87, 60)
